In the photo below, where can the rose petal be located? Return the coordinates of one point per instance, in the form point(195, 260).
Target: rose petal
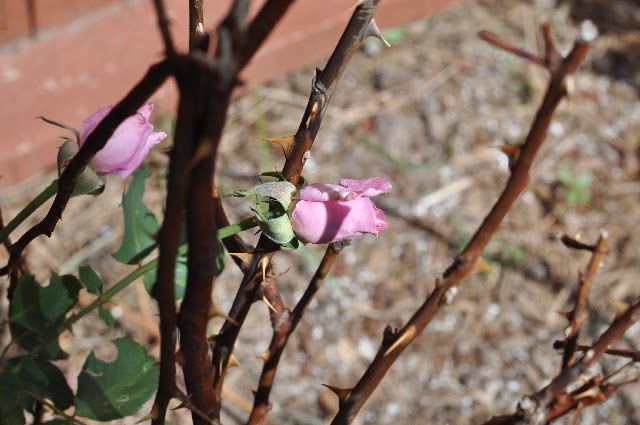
point(321, 192)
point(128, 146)
point(324, 222)
point(92, 122)
point(367, 187)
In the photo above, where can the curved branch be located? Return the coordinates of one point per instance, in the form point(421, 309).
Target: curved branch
point(395, 342)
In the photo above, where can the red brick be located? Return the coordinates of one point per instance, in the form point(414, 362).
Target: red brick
point(14, 20)
point(52, 13)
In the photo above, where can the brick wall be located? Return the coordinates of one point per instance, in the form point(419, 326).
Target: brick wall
point(64, 59)
point(24, 18)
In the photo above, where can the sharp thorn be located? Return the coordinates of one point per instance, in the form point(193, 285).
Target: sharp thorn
point(590, 393)
point(233, 362)
point(271, 307)
point(404, 339)
point(264, 263)
point(373, 31)
point(342, 393)
point(284, 142)
point(265, 356)
point(214, 311)
point(245, 257)
point(153, 414)
point(482, 266)
point(512, 152)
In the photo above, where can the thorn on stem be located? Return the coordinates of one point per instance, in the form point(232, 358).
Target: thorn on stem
point(374, 31)
point(342, 393)
point(233, 362)
point(153, 414)
point(214, 311)
point(512, 152)
point(271, 307)
point(284, 142)
point(404, 339)
point(265, 356)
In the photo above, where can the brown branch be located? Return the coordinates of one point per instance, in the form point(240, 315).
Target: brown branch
point(203, 375)
point(128, 106)
point(632, 355)
point(163, 26)
point(324, 85)
point(21, 269)
point(284, 323)
point(491, 38)
point(169, 237)
point(615, 331)
point(198, 39)
point(322, 89)
point(260, 28)
point(553, 401)
point(394, 343)
point(580, 313)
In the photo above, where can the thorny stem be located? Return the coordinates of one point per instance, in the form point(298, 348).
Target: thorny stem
point(196, 26)
point(284, 323)
point(169, 236)
point(615, 331)
point(31, 207)
point(633, 355)
point(553, 401)
point(394, 343)
point(202, 376)
point(163, 26)
point(322, 88)
point(580, 312)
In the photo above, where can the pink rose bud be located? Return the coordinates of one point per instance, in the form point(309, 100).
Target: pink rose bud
point(328, 212)
point(129, 144)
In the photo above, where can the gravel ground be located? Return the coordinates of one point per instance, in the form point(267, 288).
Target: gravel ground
point(425, 113)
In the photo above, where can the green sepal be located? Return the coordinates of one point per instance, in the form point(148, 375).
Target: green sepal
point(281, 192)
point(89, 182)
point(278, 229)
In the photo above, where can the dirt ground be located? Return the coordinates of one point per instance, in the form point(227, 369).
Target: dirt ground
point(424, 113)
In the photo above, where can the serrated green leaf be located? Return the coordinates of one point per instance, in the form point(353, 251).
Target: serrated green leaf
point(108, 391)
point(36, 312)
point(106, 316)
point(140, 225)
point(90, 279)
point(43, 379)
point(11, 396)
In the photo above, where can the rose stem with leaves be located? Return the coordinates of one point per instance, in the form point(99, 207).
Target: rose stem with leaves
point(360, 26)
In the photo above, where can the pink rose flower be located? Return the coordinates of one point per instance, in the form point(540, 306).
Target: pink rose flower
point(129, 144)
point(326, 213)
